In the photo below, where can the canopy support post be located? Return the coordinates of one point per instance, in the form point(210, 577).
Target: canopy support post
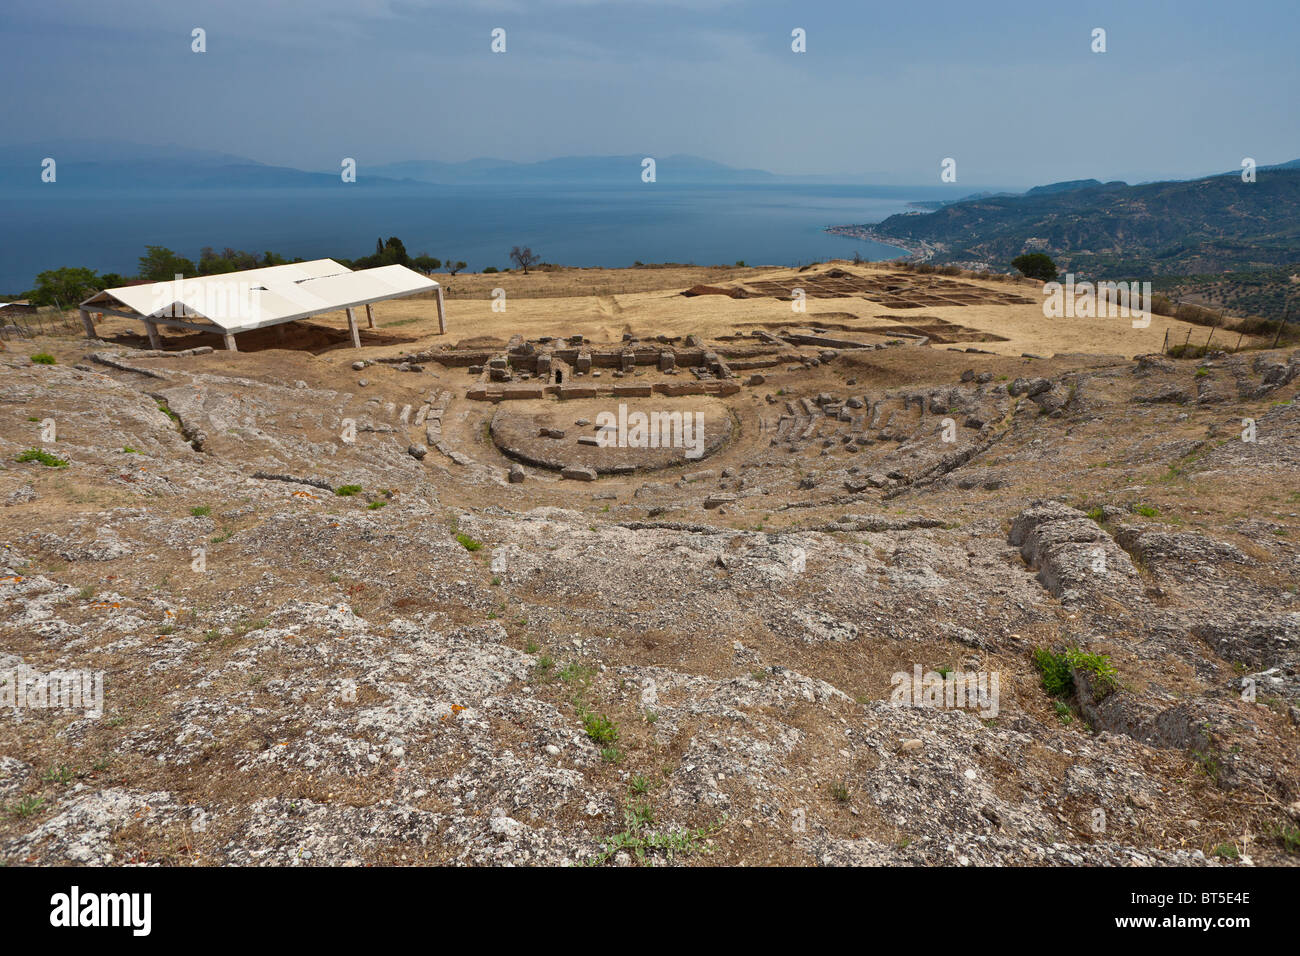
point(352, 327)
point(89, 325)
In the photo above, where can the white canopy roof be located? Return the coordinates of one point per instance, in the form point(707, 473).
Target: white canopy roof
point(255, 298)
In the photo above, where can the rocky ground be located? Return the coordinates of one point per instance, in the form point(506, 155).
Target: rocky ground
point(691, 666)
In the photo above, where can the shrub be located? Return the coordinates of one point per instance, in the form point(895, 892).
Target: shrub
point(347, 491)
point(43, 358)
point(1057, 671)
point(1036, 265)
point(202, 511)
point(44, 457)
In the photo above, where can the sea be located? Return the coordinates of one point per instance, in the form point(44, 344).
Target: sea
point(578, 225)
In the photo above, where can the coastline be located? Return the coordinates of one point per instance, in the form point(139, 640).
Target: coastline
point(915, 251)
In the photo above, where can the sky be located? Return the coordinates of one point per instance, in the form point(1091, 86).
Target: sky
point(1011, 90)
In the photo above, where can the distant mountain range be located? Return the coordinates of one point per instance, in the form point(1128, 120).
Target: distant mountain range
point(602, 170)
point(117, 165)
point(1209, 225)
point(96, 165)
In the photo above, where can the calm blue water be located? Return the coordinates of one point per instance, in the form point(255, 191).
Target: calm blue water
point(44, 228)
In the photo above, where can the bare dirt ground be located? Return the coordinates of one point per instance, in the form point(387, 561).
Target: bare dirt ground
point(333, 631)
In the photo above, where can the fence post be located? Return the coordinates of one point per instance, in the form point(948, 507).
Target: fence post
point(1282, 324)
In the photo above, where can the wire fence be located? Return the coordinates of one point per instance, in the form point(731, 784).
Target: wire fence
point(46, 321)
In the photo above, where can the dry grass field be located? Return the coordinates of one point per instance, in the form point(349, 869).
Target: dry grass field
point(603, 304)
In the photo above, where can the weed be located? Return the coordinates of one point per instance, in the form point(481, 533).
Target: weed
point(60, 774)
point(27, 806)
point(44, 457)
point(642, 845)
point(1288, 837)
point(468, 543)
point(599, 728)
point(166, 410)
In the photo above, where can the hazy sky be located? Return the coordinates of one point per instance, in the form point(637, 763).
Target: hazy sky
point(1010, 89)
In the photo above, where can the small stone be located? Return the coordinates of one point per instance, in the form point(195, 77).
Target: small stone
point(417, 452)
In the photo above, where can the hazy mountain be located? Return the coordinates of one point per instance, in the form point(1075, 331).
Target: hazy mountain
point(1176, 228)
point(113, 166)
point(595, 170)
point(1065, 187)
point(120, 165)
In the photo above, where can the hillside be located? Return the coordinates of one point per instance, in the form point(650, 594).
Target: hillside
point(393, 606)
point(1203, 226)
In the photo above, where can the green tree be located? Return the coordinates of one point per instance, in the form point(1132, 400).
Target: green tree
point(68, 286)
point(394, 253)
point(1036, 265)
point(426, 263)
point(390, 253)
point(160, 264)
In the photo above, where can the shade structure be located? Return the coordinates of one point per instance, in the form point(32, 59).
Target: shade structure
point(236, 302)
